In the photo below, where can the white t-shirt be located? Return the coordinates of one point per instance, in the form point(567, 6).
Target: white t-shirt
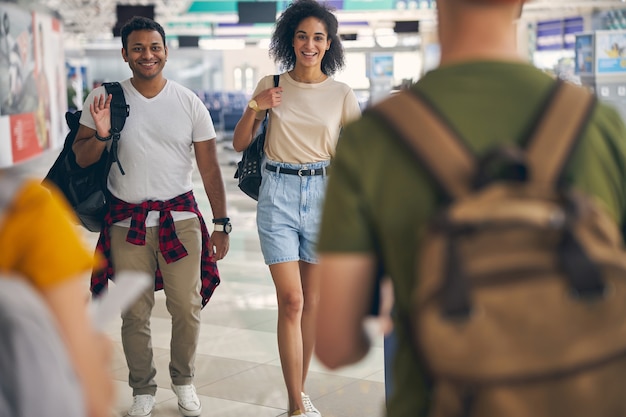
point(306, 126)
point(156, 144)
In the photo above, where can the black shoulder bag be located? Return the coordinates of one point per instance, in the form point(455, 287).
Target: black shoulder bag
point(249, 168)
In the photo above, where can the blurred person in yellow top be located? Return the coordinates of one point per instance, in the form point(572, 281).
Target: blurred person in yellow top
point(39, 242)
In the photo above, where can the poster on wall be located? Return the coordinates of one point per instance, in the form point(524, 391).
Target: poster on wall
point(610, 52)
point(51, 79)
point(77, 88)
point(584, 54)
point(32, 75)
point(382, 66)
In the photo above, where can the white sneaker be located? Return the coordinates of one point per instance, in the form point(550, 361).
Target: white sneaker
point(309, 408)
point(142, 405)
point(188, 402)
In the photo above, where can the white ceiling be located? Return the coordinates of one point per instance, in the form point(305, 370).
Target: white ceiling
point(94, 19)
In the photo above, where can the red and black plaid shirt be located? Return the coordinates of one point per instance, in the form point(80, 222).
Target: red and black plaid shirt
point(171, 247)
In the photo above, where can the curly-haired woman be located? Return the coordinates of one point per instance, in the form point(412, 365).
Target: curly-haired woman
point(306, 112)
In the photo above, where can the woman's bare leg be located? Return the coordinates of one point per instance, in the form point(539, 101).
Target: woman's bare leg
point(290, 298)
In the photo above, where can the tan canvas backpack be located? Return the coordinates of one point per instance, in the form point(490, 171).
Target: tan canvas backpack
point(520, 298)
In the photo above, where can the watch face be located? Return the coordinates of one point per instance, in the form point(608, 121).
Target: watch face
point(228, 228)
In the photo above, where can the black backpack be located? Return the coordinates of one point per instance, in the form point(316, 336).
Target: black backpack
point(86, 188)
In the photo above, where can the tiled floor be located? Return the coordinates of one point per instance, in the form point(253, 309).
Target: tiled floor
point(237, 367)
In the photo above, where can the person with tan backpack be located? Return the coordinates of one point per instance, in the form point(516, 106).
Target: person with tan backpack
point(494, 198)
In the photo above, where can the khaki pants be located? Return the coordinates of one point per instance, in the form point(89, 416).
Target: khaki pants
point(181, 283)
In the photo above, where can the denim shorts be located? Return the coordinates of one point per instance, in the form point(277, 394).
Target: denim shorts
point(289, 213)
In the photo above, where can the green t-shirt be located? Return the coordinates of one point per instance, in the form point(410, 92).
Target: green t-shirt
point(379, 199)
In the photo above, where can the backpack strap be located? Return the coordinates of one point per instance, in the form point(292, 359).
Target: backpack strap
point(119, 109)
point(267, 117)
point(565, 119)
point(276, 80)
point(442, 151)
point(119, 112)
point(434, 143)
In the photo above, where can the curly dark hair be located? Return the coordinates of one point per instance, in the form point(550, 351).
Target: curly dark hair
point(140, 23)
point(281, 44)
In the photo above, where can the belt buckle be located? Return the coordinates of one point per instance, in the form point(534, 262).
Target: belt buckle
point(303, 170)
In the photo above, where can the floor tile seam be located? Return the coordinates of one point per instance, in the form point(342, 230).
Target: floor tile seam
point(372, 374)
point(263, 323)
point(349, 384)
point(228, 330)
point(338, 373)
point(350, 381)
point(222, 379)
point(236, 331)
point(251, 326)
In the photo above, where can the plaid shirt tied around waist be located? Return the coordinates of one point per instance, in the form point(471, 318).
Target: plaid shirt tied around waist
point(170, 246)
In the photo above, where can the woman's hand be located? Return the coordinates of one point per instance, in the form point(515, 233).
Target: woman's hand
point(269, 98)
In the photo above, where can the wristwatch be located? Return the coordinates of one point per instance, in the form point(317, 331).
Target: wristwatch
point(226, 228)
point(222, 225)
point(254, 106)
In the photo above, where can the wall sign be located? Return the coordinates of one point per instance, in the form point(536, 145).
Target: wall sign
point(610, 52)
point(557, 34)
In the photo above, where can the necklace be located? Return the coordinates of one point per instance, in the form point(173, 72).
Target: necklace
point(300, 80)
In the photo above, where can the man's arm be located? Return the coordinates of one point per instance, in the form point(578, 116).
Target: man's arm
point(209, 167)
point(346, 289)
point(87, 148)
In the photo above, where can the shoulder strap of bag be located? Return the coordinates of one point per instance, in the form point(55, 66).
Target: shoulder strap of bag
point(559, 131)
point(276, 80)
point(119, 109)
point(436, 146)
point(119, 112)
point(267, 112)
point(444, 154)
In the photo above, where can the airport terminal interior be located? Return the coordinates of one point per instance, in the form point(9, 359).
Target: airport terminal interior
point(220, 53)
point(237, 365)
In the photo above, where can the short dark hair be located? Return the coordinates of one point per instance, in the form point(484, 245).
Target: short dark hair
point(281, 44)
point(140, 23)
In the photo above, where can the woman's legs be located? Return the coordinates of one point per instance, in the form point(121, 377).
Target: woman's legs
point(296, 325)
point(310, 289)
point(288, 234)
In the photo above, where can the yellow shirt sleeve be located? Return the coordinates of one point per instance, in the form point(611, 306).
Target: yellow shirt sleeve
point(38, 239)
